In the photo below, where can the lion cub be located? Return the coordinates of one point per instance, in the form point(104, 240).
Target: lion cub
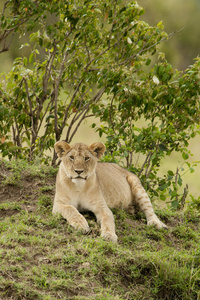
point(84, 184)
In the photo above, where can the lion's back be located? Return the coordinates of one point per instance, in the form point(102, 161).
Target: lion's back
point(114, 185)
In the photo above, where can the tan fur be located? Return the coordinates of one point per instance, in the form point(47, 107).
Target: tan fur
point(84, 184)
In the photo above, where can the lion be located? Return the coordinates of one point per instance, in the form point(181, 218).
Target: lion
point(83, 183)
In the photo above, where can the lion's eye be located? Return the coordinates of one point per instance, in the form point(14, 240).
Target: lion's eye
point(87, 158)
point(71, 157)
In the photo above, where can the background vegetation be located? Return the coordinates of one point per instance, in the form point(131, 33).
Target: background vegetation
point(181, 49)
point(97, 60)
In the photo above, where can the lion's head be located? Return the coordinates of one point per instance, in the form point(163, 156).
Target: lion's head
point(79, 160)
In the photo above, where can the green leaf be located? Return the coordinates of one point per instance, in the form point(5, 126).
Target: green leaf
point(185, 156)
point(31, 57)
point(163, 197)
point(170, 173)
point(191, 170)
point(148, 62)
point(163, 187)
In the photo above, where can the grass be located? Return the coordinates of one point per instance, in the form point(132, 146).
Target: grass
point(42, 257)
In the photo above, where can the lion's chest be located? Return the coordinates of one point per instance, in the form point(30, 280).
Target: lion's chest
point(78, 194)
point(79, 185)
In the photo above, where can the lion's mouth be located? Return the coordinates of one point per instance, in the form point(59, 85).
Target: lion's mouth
point(79, 177)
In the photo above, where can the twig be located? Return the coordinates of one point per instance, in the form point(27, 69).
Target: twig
point(185, 193)
point(146, 160)
point(145, 49)
point(82, 111)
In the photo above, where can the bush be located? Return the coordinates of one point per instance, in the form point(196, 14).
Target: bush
point(88, 59)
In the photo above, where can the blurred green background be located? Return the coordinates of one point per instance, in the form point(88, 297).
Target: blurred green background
point(177, 15)
point(181, 17)
point(180, 50)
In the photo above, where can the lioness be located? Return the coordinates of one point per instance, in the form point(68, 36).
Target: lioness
point(84, 184)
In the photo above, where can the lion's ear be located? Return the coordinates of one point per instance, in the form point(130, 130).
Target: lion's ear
point(61, 148)
point(97, 149)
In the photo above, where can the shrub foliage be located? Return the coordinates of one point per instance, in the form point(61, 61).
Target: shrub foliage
point(86, 58)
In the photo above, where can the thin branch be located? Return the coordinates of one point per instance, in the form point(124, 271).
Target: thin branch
point(30, 107)
point(48, 69)
point(148, 48)
point(8, 31)
point(147, 159)
point(82, 112)
point(95, 99)
point(148, 168)
point(57, 83)
point(4, 7)
point(86, 47)
point(110, 114)
point(71, 102)
point(176, 181)
point(185, 193)
point(22, 20)
point(16, 137)
point(6, 48)
point(44, 114)
point(77, 126)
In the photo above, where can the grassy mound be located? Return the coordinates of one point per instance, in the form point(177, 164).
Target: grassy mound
point(42, 257)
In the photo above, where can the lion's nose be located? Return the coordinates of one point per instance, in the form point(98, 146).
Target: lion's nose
point(79, 171)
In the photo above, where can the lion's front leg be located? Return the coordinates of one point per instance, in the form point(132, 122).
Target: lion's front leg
point(106, 219)
point(72, 215)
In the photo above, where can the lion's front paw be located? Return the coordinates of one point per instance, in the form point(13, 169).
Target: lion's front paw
point(154, 221)
point(111, 237)
point(80, 224)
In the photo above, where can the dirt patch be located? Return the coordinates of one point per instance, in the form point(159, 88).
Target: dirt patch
point(22, 190)
point(8, 213)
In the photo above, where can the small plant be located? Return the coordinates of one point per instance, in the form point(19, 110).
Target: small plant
point(44, 201)
point(194, 202)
